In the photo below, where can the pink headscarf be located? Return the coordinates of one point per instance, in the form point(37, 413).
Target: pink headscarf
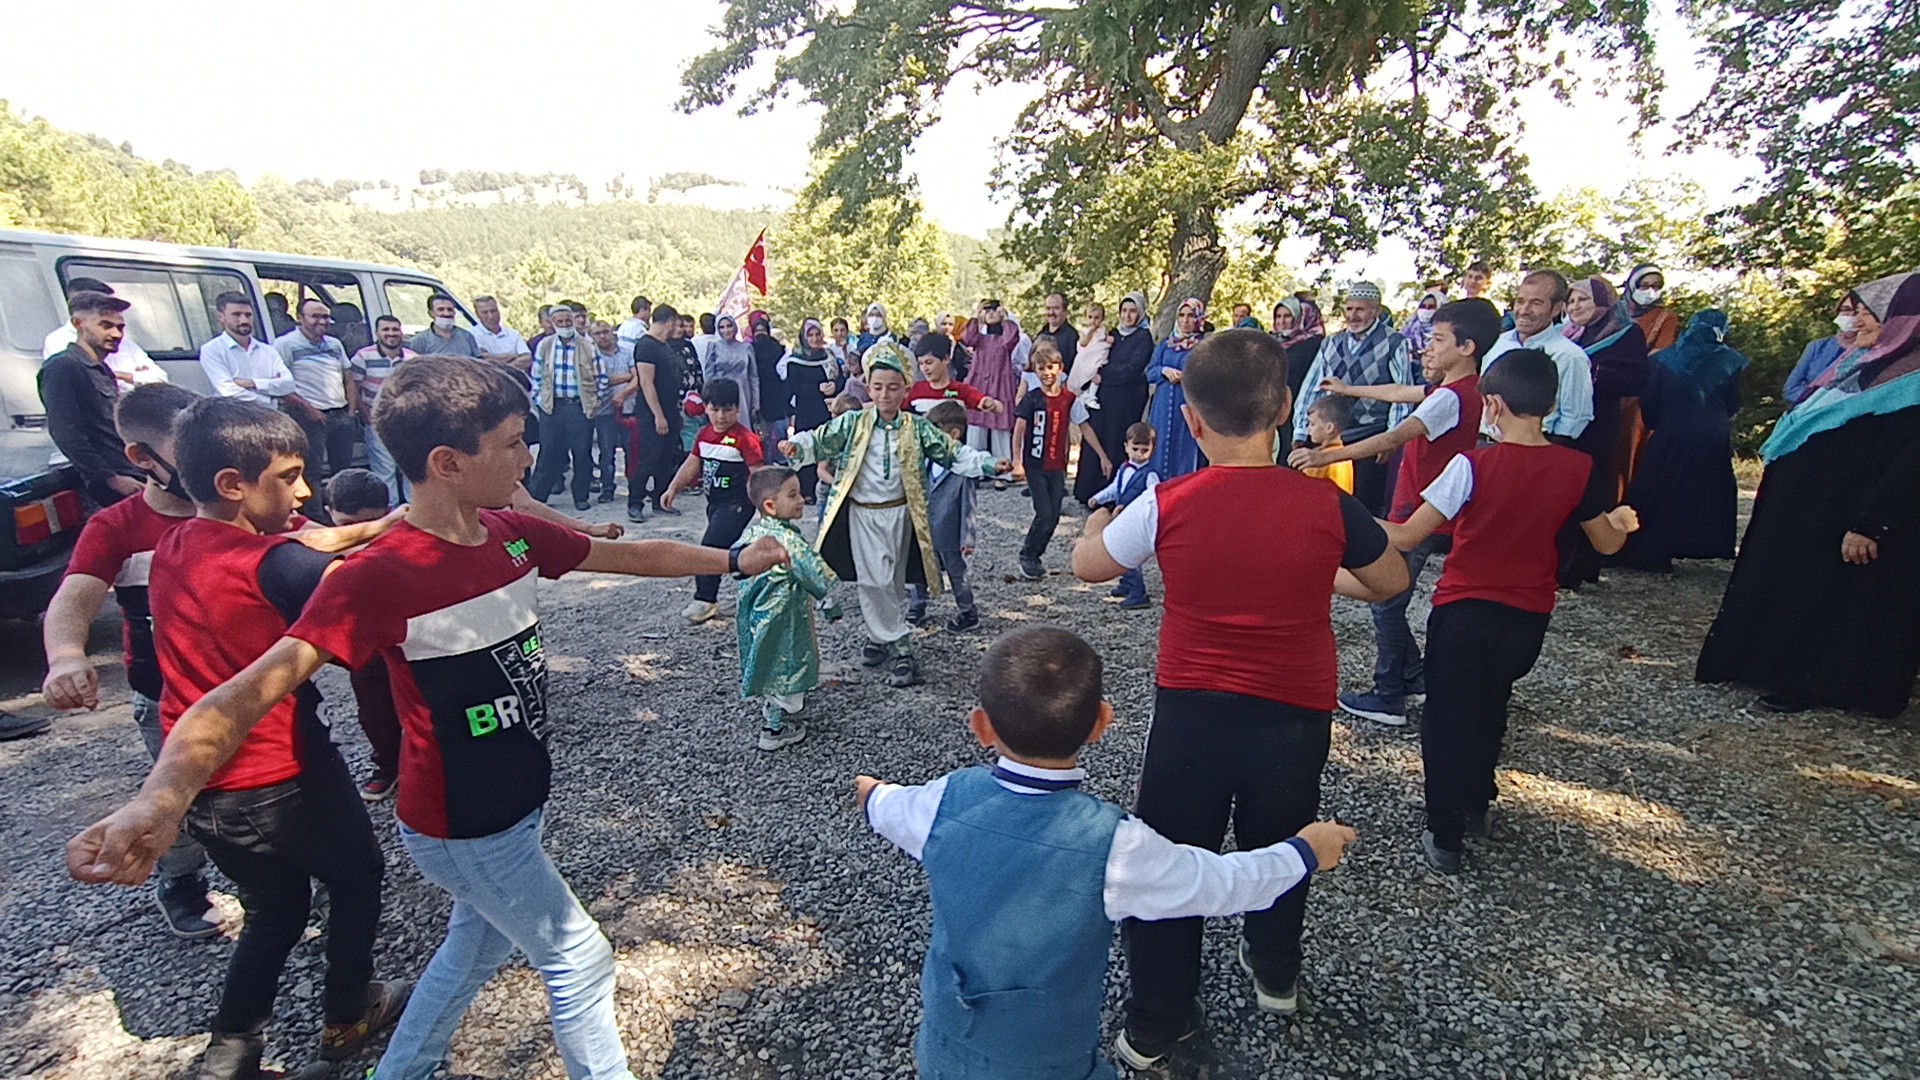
point(1183, 342)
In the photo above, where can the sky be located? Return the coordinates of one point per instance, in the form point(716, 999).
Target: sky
point(380, 89)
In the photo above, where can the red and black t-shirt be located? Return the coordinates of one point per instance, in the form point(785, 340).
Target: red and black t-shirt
point(923, 395)
point(1048, 417)
point(116, 546)
point(460, 630)
point(725, 460)
point(220, 597)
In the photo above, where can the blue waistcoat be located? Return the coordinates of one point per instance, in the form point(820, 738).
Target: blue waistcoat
point(1016, 971)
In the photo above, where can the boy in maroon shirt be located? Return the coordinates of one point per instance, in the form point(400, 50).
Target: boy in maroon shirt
point(1506, 504)
point(1040, 426)
point(1445, 424)
point(449, 599)
point(1250, 554)
point(934, 353)
point(725, 451)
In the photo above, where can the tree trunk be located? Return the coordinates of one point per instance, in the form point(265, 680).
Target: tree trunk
point(1195, 260)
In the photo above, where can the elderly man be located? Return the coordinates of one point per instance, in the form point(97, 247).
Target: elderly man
point(1367, 352)
point(565, 392)
point(78, 389)
point(499, 343)
point(322, 407)
point(1538, 308)
point(443, 337)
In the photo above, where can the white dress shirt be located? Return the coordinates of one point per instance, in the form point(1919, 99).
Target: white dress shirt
point(224, 360)
point(129, 359)
point(507, 342)
point(1573, 408)
point(1148, 875)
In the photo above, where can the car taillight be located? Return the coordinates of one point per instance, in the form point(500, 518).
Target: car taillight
point(68, 510)
point(31, 524)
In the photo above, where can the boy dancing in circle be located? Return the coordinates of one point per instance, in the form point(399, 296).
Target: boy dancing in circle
point(875, 532)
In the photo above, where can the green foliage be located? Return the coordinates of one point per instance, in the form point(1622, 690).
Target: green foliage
point(823, 266)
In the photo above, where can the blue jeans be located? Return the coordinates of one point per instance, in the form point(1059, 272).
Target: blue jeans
point(1397, 667)
point(381, 464)
point(507, 893)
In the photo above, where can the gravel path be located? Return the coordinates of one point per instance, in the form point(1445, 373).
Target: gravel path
point(1675, 888)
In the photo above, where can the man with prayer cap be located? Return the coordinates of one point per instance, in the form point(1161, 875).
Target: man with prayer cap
point(1367, 352)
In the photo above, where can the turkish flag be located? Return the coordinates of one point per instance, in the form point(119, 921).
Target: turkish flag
point(756, 264)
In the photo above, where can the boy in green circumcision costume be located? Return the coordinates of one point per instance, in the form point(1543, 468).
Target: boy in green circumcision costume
point(875, 532)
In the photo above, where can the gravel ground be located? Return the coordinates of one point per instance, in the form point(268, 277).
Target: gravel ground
point(1674, 888)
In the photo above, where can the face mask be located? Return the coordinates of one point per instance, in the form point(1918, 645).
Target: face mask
point(173, 485)
point(565, 333)
point(1847, 323)
point(443, 324)
point(876, 324)
point(1646, 297)
point(1424, 315)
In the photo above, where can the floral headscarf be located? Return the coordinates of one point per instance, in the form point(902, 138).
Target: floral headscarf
point(1182, 342)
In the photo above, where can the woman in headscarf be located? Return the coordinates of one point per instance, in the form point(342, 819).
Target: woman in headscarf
point(812, 378)
point(1174, 451)
point(994, 337)
point(1644, 291)
point(1617, 352)
point(1301, 341)
point(1094, 345)
point(1820, 356)
point(1420, 327)
point(731, 357)
point(1121, 383)
point(775, 401)
point(1820, 610)
point(1684, 490)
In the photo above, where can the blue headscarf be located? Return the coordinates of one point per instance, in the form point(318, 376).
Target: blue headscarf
point(1884, 379)
point(1701, 356)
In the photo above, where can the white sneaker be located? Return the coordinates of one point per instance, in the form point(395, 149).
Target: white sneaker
point(790, 732)
point(699, 611)
point(1283, 1003)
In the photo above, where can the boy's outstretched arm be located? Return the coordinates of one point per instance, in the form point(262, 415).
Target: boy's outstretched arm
point(1406, 535)
point(683, 478)
point(1151, 877)
point(71, 682)
point(1608, 533)
point(1384, 443)
point(1394, 393)
point(334, 539)
point(670, 558)
point(123, 846)
point(524, 503)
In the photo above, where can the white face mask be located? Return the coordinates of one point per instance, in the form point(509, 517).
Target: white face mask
point(443, 324)
point(1847, 323)
point(876, 324)
point(1424, 315)
point(1646, 297)
point(565, 332)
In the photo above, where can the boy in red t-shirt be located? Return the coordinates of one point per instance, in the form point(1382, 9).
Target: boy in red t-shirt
point(449, 598)
point(934, 353)
point(1250, 554)
point(1506, 504)
point(724, 454)
point(1040, 426)
point(1444, 425)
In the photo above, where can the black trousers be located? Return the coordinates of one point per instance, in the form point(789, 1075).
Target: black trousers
point(273, 842)
point(1372, 485)
point(660, 457)
point(1046, 489)
point(565, 433)
point(726, 520)
point(1214, 759)
point(1476, 651)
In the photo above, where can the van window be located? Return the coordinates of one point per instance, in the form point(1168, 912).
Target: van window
point(27, 313)
point(338, 289)
point(172, 312)
point(407, 300)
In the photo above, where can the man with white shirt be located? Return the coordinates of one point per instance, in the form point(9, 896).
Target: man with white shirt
point(499, 343)
point(130, 363)
point(319, 365)
point(631, 331)
point(1537, 309)
point(240, 365)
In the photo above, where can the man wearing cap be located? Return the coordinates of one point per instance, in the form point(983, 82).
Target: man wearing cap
point(79, 391)
point(130, 363)
point(1367, 352)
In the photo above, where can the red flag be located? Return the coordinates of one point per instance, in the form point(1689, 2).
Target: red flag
point(756, 264)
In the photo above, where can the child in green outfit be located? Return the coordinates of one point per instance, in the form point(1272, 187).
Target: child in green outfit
point(779, 653)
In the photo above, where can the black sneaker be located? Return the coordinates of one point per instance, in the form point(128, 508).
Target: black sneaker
point(873, 654)
point(669, 511)
point(636, 514)
point(1143, 1053)
point(605, 497)
point(1438, 859)
point(183, 904)
point(1476, 824)
point(1282, 1001)
point(964, 621)
point(917, 616)
point(902, 672)
point(19, 727)
point(1031, 570)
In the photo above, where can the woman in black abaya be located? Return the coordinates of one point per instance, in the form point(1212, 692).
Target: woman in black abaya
point(1823, 608)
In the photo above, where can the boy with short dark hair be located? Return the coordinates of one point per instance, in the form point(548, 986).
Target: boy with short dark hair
point(1506, 504)
point(934, 352)
point(449, 598)
point(1040, 425)
point(779, 651)
point(1445, 424)
point(724, 453)
point(1326, 419)
point(1134, 478)
point(1028, 874)
point(950, 517)
point(1246, 674)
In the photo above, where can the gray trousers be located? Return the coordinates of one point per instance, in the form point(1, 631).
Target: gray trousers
point(186, 856)
point(954, 565)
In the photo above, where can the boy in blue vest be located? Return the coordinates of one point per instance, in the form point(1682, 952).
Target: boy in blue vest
point(950, 518)
point(1028, 874)
point(1131, 480)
